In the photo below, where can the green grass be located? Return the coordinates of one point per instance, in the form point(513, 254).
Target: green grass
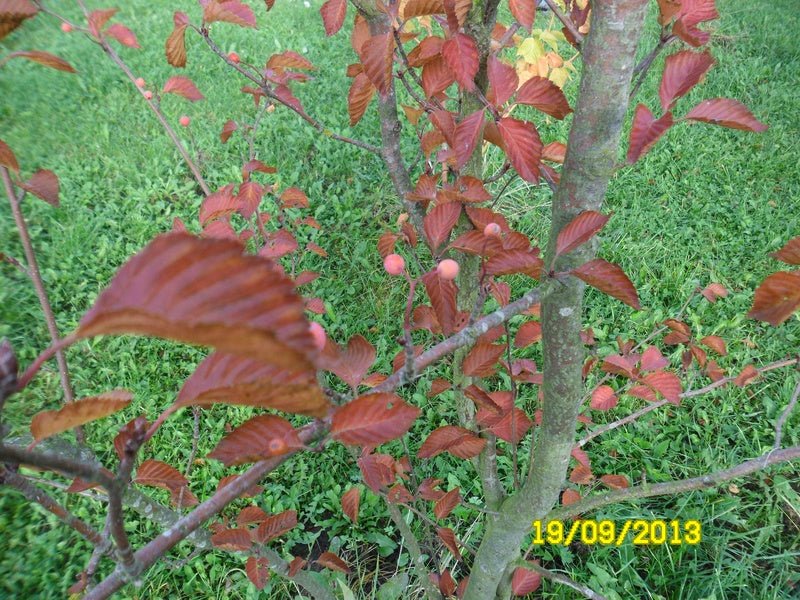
point(707, 204)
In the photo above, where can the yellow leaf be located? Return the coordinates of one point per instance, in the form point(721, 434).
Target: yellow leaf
point(559, 77)
point(531, 50)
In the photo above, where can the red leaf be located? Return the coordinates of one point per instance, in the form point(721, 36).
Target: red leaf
point(333, 13)
point(646, 131)
point(350, 501)
point(219, 204)
point(776, 298)
point(295, 566)
point(289, 59)
point(175, 46)
point(227, 130)
point(511, 262)
point(278, 244)
point(524, 11)
point(43, 184)
point(716, 343)
point(448, 538)
point(581, 475)
point(275, 526)
point(603, 398)
point(466, 137)
point(482, 360)
point(512, 426)
point(529, 333)
point(615, 482)
point(609, 279)
point(398, 494)
point(249, 198)
point(713, 291)
point(7, 157)
point(330, 561)
point(442, 293)
point(438, 386)
point(359, 97)
point(503, 81)
point(43, 58)
point(748, 374)
point(436, 76)
point(257, 570)
point(73, 414)
point(458, 441)
point(229, 11)
point(522, 146)
point(261, 437)
point(376, 473)
point(682, 71)
point(294, 197)
point(439, 222)
point(524, 581)
point(428, 49)
point(665, 383)
point(570, 497)
point(445, 583)
point(790, 253)
point(182, 86)
point(652, 359)
point(461, 55)
point(421, 8)
point(123, 35)
point(693, 12)
point(376, 56)
point(352, 363)
point(544, 95)
point(372, 419)
point(445, 505)
point(232, 540)
point(250, 515)
point(580, 230)
point(98, 18)
point(726, 113)
point(159, 474)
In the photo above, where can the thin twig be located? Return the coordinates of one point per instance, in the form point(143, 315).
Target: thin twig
point(640, 71)
point(567, 21)
point(784, 416)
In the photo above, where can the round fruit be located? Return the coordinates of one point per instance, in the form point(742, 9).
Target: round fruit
point(184, 120)
point(148, 94)
point(318, 333)
point(394, 264)
point(234, 57)
point(492, 230)
point(276, 446)
point(66, 27)
point(448, 269)
point(140, 82)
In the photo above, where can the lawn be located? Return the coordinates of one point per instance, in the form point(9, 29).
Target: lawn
point(707, 204)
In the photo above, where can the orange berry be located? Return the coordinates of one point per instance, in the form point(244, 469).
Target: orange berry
point(394, 264)
point(318, 333)
point(276, 446)
point(184, 120)
point(492, 230)
point(140, 82)
point(448, 269)
point(66, 27)
point(148, 94)
point(234, 57)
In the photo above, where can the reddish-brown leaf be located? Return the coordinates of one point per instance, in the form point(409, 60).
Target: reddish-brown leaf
point(442, 293)
point(184, 87)
point(43, 184)
point(609, 279)
point(525, 581)
point(747, 376)
point(652, 359)
point(448, 538)
point(461, 55)
point(372, 419)
point(52, 422)
point(776, 298)
point(427, 49)
point(43, 58)
point(375, 471)
point(529, 333)
point(482, 360)
point(716, 343)
point(713, 291)
point(726, 113)
point(511, 262)
point(295, 566)
point(376, 56)
point(544, 95)
point(503, 80)
point(790, 253)
point(582, 475)
point(458, 441)
point(436, 76)
point(232, 540)
point(522, 146)
point(175, 46)
point(275, 526)
point(603, 398)
point(682, 71)
point(438, 386)
point(229, 11)
point(445, 505)
point(155, 473)
point(7, 157)
point(12, 14)
point(421, 8)
point(227, 130)
point(570, 497)
point(350, 364)
point(205, 291)
point(615, 482)
point(398, 494)
point(358, 98)
point(646, 131)
point(221, 203)
point(233, 379)
point(123, 35)
point(439, 222)
point(524, 11)
point(665, 383)
point(294, 197)
point(333, 13)
point(350, 501)
point(512, 426)
point(261, 437)
point(250, 515)
point(466, 137)
point(445, 583)
point(330, 561)
point(288, 59)
point(257, 569)
point(580, 230)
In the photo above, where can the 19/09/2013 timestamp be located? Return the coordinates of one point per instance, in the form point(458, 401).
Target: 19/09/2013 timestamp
point(610, 533)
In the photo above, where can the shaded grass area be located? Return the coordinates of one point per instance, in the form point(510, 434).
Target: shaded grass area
point(707, 204)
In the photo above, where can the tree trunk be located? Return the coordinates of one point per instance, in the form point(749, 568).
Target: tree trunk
point(608, 61)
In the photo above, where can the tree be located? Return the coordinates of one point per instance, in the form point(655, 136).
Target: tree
point(235, 287)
